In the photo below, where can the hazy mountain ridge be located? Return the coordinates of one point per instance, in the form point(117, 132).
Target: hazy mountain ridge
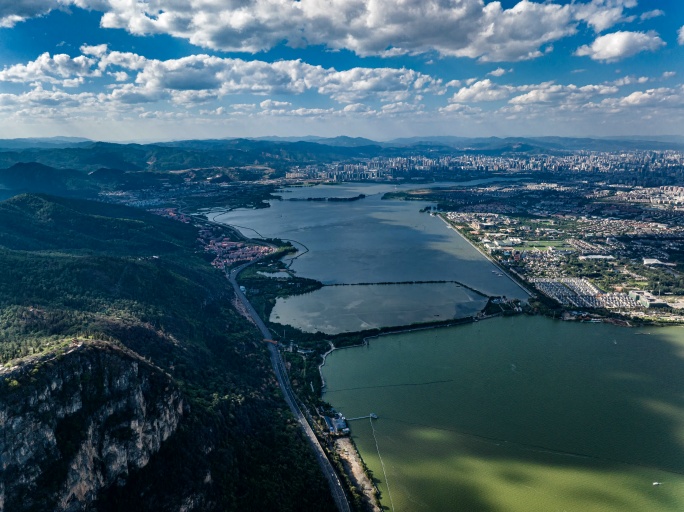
point(284, 152)
point(549, 143)
point(43, 142)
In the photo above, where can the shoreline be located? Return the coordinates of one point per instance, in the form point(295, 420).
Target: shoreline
point(487, 256)
point(356, 471)
point(320, 366)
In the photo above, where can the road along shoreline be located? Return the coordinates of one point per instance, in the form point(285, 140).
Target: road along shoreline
point(336, 488)
point(489, 258)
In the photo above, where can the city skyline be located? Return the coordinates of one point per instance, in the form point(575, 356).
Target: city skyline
point(380, 69)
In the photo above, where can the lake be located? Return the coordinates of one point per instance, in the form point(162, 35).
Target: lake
point(509, 414)
point(336, 309)
point(519, 414)
point(369, 241)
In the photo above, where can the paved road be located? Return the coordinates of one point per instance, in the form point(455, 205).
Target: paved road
point(281, 374)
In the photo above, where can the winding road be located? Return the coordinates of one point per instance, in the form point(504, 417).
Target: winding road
point(281, 374)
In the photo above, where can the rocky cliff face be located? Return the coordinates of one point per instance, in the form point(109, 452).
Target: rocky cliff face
point(76, 423)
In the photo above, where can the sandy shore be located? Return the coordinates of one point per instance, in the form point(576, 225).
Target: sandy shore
point(354, 468)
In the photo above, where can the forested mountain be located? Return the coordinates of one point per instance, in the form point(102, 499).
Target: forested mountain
point(134, 383)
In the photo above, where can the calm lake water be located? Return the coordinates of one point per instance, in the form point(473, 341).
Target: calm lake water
point(368, 241)
point(336, 309)
point(519, 414)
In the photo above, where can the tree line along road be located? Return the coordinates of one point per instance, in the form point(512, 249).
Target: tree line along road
point(283, 381)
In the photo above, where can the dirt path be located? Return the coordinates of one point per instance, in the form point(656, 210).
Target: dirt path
point(354, 468)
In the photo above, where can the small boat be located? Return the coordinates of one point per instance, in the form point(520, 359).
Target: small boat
point(657, 483)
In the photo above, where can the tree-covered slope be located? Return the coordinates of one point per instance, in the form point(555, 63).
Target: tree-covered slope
point(35, 222)
point(37, 177)
point(78, 270)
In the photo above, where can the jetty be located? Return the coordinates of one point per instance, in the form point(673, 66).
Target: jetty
point(372, 416)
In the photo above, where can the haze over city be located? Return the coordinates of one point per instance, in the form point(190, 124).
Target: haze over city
point(155, 70)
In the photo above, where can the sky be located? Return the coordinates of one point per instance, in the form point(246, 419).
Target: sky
point(151, 70)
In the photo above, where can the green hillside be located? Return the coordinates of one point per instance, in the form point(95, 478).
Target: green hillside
point(78, 269)
point(36, 177)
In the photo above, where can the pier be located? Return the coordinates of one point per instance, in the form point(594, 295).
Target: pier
point(372, 416)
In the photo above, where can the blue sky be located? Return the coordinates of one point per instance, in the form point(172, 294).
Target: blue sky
point(172, 69)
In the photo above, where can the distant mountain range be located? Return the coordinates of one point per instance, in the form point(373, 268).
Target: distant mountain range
point(553, 142)
point(281, 153)
point(466, 143)
point(43, 142)
point(548, 142)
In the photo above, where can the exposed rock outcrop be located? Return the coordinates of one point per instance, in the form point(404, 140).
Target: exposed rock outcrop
point(74, 423)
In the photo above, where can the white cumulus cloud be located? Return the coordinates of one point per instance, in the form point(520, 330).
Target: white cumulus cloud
point(603, 14)
point(654, 97)
point(380, 27)
point(356, 107)
point(655, 13)
point(271, 104)
point(629, 80)
point(53, 69)
point(463, 28)
point(558, 94)
point(16, 11)
point(620, 45)
point(498, 72)
point(199, 78)
point(483, 90)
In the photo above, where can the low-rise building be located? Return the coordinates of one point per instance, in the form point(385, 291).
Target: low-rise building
point(337, 425)
point(647, 299)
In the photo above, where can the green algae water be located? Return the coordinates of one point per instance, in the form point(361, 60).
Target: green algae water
point(519, 414)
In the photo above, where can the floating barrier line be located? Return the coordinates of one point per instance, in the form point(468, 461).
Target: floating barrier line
point(377, 447)
point(392, 385)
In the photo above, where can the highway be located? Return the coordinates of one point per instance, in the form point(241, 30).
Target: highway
point(281, 374)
